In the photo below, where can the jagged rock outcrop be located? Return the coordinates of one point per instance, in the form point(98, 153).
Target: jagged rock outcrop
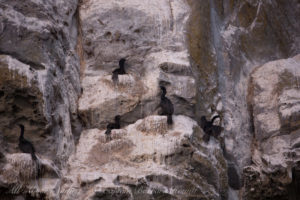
point(153, 42)
point(227, 40)
point(21, 175)
point(39, 87)
point(274, 101)
point(56, 63)
point(147, 160)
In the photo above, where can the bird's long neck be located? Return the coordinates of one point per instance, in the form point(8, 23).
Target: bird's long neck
point(215, 117)
point(163, 95)
point(22, 132)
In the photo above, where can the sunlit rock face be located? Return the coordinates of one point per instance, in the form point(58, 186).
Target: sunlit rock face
point(39, 88)
point(151, 36)
point(275, 108)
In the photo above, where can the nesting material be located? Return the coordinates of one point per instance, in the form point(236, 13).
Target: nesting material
point(22, 169)
point(103, 153)
point(154, 125)
point(118, 133)
point(125, 83)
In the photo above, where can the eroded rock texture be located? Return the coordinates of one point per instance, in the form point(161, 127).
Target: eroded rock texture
point(274, 100)
point(150, 35)
point(147, 160)
point(227, 41)
point(39, 87)
point(213, 57)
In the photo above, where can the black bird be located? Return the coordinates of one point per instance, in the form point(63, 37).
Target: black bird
point(111, 126)
point(210, 129)
point(166, 105)
point(118, 71)
point(26, 146)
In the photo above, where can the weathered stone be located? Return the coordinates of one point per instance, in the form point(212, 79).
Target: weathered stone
point(203, 52)
point(227, 40)
point(146, 157)
point(155, 55)
point(39, 87)
point(274, 99)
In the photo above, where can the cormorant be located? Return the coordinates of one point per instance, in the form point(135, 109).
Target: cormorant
point(166, 105)
point(233, 177)
point(210, 129)
point(111, 126)
point(26, 146)
point(118, 71)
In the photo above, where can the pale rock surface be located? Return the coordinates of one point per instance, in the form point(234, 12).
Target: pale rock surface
point(147, 160)
point(19, 174)
point(39, 87)
point(204, 52)
point(150, 35)
point(274, 101)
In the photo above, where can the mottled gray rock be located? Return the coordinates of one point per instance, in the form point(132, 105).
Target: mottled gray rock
point(19, 175)
point(204, 52)
point(147, 160)
point(227, 40)
point(274, 101)
point(39, 86)
point(150, 35)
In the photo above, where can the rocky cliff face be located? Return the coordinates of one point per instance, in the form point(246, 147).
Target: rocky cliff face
point(40, 86)
point(228, 41)
point(235, 58)
point(274, 103)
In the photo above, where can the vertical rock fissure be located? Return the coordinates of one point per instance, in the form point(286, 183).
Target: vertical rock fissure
point(172, 16)
point(217, 45)
point(218, 48)
point(79, 47)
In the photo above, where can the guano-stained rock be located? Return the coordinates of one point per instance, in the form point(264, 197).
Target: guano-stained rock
point(56, 63)
point(155, 55)
point(147, 160)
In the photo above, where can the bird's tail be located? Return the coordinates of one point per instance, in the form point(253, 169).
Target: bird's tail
point(169, 119)
point(39, 169)
point(37, 164)
point(33, 156)
point(206, 137)
point(108, 131)
point(115, 77)
point(107, 134)
point(216, 130)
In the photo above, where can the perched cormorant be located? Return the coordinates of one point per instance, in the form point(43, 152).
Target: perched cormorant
point(210, 129)
point(166, 105)
point(118, 71)
point(26, 146)
point(233, 177)
point(111, 126)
